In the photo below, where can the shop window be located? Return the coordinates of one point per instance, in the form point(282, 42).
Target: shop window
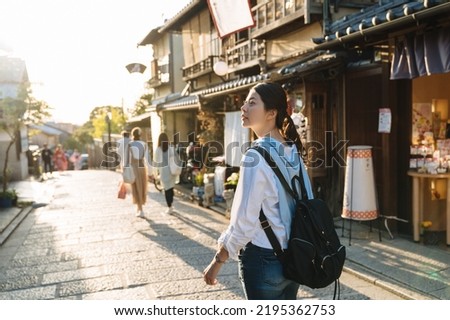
point(430, 149)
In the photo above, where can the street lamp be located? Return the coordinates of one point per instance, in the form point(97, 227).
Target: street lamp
point(108, 119)
point(220, 68)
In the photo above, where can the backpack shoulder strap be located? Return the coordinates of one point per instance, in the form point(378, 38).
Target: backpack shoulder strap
point(275, 169)
point(280, 175)
point(270, 234)
point(278, 250)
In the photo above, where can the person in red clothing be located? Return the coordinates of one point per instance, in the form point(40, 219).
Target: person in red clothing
point(60, 159)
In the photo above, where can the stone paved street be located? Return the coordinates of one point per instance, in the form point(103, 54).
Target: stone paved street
point(87, 244)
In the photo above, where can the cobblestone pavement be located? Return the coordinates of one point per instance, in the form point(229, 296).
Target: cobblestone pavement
point(87, 244)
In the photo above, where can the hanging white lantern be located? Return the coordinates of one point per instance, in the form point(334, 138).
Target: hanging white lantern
point(220, 68)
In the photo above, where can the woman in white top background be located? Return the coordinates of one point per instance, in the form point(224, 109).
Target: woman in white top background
point(260, 271)
point(163, 154)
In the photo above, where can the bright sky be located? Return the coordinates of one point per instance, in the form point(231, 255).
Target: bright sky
point(76, 50)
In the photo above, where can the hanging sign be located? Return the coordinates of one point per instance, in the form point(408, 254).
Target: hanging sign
point(385, 120)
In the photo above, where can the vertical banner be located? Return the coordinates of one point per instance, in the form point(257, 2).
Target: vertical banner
point(230, 16)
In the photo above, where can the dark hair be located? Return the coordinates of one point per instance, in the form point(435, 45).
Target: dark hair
point(274, 97)
point(163, 141)
point(125, 134)
point(136, 133)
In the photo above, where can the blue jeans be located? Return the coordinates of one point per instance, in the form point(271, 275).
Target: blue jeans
point(261, 275)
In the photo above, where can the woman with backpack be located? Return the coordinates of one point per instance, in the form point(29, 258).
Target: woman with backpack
point(265, 112)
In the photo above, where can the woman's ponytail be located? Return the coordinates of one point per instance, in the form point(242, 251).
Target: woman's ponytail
point(289, 132)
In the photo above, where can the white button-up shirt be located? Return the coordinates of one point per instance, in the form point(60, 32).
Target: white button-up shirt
point(258, 187)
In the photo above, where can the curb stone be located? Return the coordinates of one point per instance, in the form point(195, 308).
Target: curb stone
point(384, 282)
point(15, 222)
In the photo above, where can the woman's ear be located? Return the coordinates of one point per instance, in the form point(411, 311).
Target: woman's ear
point(271, 114)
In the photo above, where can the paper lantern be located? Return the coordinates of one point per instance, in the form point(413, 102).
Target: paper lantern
point(360, 201)
point(220, 68)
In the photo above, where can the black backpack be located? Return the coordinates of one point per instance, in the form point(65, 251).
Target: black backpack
point(314, 257)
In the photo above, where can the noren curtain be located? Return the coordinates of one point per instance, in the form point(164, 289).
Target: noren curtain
point(422, 54)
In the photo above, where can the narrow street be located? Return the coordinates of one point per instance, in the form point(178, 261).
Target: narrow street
point(87, 244)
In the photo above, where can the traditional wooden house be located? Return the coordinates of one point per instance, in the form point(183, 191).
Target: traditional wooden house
point(397, 59)
point(338, 62)
point(168, 111)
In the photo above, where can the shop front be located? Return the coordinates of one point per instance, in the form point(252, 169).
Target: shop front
point(430, 157)
point(398, 68)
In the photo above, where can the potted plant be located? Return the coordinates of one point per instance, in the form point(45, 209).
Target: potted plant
point(429, 237)
point(15, 197)
point(232, 181)
point(6, 198)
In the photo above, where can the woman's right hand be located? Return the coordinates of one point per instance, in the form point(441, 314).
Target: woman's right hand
point(210, 273)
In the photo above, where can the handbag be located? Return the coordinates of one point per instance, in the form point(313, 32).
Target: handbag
point(122, 194)
point(128, 172)
point(315, 256)
point(174, 161)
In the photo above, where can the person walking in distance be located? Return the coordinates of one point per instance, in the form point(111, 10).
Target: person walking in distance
point(47, 156)
point(164, 154)
point(137, 151)
point(121, 145)
point(75, 158)
point(60, 159)
point(265, 112)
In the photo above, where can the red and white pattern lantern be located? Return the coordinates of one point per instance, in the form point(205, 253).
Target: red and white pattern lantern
point(360, 201)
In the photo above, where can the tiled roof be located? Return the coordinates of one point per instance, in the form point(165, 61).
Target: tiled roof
point(378, 16)
point(151, 37)
point(140, 117)
point(191, 101)
point(308, 62)
point(48, 130)
point(183, 15)
point(234, 85)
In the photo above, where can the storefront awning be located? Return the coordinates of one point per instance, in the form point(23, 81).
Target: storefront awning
point(187, 102)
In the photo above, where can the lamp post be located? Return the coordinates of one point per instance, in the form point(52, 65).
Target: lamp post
point(109, 115)
point(108, 119)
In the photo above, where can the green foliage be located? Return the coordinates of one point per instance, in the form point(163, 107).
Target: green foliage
point(81, 137)
point(100, 124)
point(142, 104)
point(7, 194)
point(14, 114)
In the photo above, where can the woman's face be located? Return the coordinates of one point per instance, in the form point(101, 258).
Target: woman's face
point(253, 114)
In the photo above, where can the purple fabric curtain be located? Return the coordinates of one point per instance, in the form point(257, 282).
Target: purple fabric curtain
point(421, 54)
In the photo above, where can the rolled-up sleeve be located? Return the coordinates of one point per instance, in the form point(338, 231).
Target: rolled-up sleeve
point(250, 194)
